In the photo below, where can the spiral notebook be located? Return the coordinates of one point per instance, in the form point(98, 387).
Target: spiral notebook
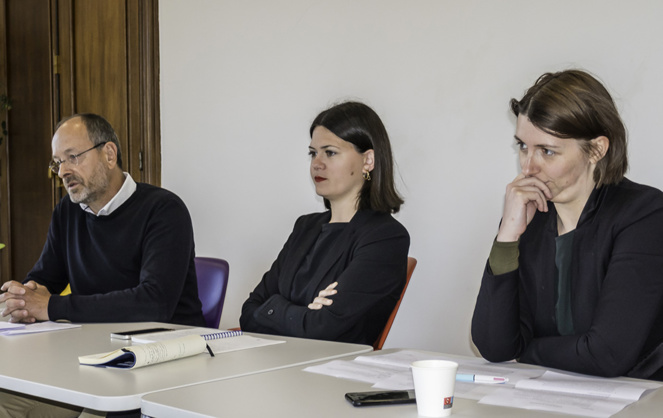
point(220, 341)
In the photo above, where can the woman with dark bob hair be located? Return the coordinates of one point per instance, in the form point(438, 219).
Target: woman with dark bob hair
point(574, 280)
point(341, 272)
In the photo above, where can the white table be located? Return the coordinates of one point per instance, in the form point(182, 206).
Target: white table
point(46, 365)
point(293, 392)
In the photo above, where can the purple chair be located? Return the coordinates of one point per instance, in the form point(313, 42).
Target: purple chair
point(212, 282)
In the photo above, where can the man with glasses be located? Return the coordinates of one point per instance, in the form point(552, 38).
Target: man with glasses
point(125, 248)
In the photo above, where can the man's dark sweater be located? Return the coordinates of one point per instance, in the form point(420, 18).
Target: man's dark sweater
point(136, 264)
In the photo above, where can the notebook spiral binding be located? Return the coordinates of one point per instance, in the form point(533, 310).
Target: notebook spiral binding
point(220, 335)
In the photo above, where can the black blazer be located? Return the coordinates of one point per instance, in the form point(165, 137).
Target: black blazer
point(616, 291)
point(369, 261)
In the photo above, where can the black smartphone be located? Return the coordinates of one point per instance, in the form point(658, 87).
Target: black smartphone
point(126, 335)
point(385, 397)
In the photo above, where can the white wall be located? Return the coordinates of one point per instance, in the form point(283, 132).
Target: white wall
point(242, 80)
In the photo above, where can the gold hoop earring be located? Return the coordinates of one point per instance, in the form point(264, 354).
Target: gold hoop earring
point(366, 175)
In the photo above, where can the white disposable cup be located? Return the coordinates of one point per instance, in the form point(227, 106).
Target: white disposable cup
point(434, 383)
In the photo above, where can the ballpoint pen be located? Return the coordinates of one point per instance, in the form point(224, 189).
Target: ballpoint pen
point(480, 378)
point(209, 350)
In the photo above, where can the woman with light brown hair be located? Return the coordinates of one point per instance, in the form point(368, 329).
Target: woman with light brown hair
point(574, 280)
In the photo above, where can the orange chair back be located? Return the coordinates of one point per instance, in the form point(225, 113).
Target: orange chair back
point(411, 264)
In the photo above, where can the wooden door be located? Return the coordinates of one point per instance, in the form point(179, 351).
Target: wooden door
point(65, 57)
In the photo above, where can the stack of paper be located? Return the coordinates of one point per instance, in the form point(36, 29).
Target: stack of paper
point(528, 387)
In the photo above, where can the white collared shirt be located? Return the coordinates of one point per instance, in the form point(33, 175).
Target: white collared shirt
point(128, 188)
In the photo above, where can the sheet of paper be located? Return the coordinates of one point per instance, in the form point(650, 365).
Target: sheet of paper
point(353, 370)
point(572, 394)
point(404, 358)
point(553, 402)
point(597, 387)
point(41, 327)
point(392, 372)
point(466, 390)
point(241, 342)
point(9, 326)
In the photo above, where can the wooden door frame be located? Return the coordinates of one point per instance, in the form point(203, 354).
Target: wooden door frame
point(4, 167)
point(150, 130)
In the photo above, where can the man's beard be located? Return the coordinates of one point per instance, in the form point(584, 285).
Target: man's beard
point(90, 191)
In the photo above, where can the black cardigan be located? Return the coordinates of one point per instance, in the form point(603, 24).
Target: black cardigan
point(369, 261)
point(616, 290)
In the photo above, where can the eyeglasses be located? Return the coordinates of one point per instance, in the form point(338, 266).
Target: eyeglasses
point(71, 159)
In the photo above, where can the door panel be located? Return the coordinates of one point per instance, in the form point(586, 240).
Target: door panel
point(100, 63)
point(30, 124)
point(66, 57)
